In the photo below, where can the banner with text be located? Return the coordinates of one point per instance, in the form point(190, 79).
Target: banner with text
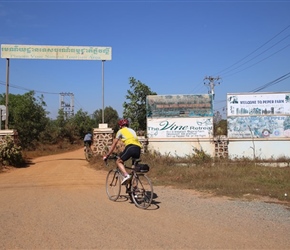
point(258, 104)
point(179, 106)
point(259, 127)
point(180, 127)
point(55, 52)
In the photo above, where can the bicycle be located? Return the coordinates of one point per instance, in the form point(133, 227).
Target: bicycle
point(88, 152)
point(139, 187)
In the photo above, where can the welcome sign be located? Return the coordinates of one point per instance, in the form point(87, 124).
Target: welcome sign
point(265, 115)
point(258, 104)
point(55, 52)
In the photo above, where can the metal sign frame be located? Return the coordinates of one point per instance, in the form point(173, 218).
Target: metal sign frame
point(17, 51)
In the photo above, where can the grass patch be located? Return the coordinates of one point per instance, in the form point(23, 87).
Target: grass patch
point(233, 178)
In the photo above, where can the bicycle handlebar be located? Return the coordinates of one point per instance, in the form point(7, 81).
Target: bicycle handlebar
point(111, 157)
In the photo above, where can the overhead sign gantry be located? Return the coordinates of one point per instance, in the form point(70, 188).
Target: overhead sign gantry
point(17, 51)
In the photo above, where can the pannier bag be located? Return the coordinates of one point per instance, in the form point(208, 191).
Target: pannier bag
point(142, 168)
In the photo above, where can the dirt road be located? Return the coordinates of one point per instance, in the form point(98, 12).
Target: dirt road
point(60, 203)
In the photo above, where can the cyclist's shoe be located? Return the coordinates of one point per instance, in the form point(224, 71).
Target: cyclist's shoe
point(126, 178)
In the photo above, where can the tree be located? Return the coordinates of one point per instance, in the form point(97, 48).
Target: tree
point(67, 129)
point(135, 108)
point(220, 125)
point(111, 117)
point(82, 122)
point(26, 115)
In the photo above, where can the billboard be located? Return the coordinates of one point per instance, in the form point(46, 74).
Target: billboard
point(179, 116)
point(179, 106)
point(179, 127)
point(265, 115)
point(55, 52)
point(258, 104)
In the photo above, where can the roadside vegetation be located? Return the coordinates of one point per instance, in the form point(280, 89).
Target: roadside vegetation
point(240, 178)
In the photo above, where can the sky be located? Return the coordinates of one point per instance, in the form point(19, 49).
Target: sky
point(170, 46)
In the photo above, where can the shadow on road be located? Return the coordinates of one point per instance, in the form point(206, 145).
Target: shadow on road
point(29, 162)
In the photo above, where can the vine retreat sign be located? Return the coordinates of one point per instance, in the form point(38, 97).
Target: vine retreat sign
point(180, 128)
point(179, 116)
point(56, 52)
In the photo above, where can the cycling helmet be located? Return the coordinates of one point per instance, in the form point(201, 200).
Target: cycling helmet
point(123, 122)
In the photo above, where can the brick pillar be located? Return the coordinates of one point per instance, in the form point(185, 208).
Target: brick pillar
point(12, 133)
point(102, 140)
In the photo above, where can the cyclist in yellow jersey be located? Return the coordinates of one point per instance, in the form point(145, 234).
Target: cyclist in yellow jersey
point(132, 146)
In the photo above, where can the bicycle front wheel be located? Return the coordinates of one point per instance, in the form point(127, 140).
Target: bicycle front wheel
point(113, 185)
point(142, 191)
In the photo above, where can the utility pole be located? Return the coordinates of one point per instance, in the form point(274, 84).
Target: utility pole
point(68, 108)
point(212, 82)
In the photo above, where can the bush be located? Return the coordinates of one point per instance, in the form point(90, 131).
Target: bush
point(10, 153)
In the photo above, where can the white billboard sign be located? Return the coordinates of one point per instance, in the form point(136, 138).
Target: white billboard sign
point(265, 115)
point(179, 127)
point(258, 104)
point(259, 127)
point(55, 52)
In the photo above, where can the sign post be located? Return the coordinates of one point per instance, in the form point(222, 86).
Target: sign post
point(56, 53)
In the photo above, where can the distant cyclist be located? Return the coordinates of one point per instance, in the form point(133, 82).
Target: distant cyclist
point(132, 146)
point(88, 139)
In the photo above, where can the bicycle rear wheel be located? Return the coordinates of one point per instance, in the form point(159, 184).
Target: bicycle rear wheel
point(88, 153)
point(113, 185)
point(141, 191)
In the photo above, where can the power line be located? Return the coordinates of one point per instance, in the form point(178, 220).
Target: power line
point(265, 58)
point(226, 69)
point(230, 68)
point(279, 79)
point(259, 55)
point(37, 91)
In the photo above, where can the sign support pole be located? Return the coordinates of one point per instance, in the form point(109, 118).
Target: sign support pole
point(103, 102)
point(7, 92)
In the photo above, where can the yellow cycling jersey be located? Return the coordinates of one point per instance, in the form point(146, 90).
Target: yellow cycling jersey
point(128, 136)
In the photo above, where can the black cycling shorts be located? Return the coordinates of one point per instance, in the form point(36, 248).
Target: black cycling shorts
point(131, 150)
point(89, 142)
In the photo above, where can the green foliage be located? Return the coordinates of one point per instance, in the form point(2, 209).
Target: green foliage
point(219, 124)
point(26, 115)
point(200, 156)
point(111, 117)
point(221, 128)
point(81, 123)
point(72, 128)
point(50, 134)
point(10, 153)
point(135, 108)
